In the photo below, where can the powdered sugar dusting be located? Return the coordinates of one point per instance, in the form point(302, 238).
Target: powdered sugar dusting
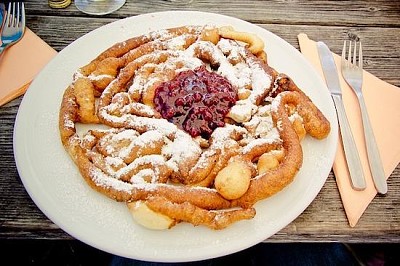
point(145, 147)
point(105, 181)
point(182, 148)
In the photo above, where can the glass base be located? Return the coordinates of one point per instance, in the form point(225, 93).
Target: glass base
point(98, 7)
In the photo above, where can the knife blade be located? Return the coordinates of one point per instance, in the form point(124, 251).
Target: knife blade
point(350, 149)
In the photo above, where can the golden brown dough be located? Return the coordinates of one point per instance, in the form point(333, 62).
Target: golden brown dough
point(233, 180)
point(162, 172)
point(188, 212)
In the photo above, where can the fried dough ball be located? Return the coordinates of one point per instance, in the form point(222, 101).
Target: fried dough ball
point(233, 180)
point(148, 218)
point(266, 162)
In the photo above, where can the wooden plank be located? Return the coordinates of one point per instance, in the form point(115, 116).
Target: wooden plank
point(339, 13)
point(323, 220)
point(381, 52)
point(381, 60)
point(376, 23)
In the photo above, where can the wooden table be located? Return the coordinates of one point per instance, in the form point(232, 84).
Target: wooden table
point(376, 23)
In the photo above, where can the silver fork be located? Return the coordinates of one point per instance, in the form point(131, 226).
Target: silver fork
point(353, 74)
point(14, 25)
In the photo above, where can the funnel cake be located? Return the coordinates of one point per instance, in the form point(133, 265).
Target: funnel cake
point(188, 124)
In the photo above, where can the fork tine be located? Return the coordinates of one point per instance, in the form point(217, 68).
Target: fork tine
point(17, 17)
point(355, 54)
point(19, 6)
point(349, 55)
point(13, 17)
point(14, 25)
point(360, 58)
point(7, 23)
point(10, 20)
point(15, 14)
point(23, 15)
point(344, 61)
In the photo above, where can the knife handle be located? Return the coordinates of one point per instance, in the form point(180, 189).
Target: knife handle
point(350, 148)
point(375, 163)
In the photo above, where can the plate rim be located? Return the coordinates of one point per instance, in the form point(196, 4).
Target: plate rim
point(39, 203)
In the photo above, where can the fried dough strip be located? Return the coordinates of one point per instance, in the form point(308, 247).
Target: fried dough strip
point(84, 93)
point(255, 62)
point(188, 212)
point(154, 162)
point(314, 121)
point(118, 190)
point(121, 48)
point(105, 72)
point(99, 161)
point(220, 151)
point(256, 44)
point(68, 115)
point(228, 151)
point(116, 50)
point(255, 150)
point(124, 170)
point(126, 74)
point(273, 181)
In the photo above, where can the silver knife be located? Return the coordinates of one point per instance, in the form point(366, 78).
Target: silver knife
point(350, 149)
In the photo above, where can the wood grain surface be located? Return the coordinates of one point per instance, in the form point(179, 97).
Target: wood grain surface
point(376, 23)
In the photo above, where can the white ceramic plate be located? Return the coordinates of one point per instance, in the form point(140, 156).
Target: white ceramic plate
point(56, 187)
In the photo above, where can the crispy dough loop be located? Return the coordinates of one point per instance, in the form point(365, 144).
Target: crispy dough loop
point(188, 212)
point(124, 48)
point(137, 156)
point(256, 44)
point(68, 116)
point(84, 93)
point(315, 123)
point(126, 74)
point(275, 180)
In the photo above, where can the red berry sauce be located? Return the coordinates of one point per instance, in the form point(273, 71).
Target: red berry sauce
point(196, 101)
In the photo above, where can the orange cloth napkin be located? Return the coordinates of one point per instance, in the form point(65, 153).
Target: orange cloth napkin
point(20, 63)
point(382, 101)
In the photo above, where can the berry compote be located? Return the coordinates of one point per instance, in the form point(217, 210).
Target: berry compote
point(196, 101)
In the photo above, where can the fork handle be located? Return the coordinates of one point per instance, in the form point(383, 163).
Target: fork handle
point(375, 163)
point(349, 146)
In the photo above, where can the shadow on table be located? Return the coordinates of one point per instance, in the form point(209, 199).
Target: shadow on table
point(52, 252)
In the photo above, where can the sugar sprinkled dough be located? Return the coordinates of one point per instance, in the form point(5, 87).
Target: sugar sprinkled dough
point(164, 172)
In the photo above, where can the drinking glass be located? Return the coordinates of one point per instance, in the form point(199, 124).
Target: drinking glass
point(98, 7)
